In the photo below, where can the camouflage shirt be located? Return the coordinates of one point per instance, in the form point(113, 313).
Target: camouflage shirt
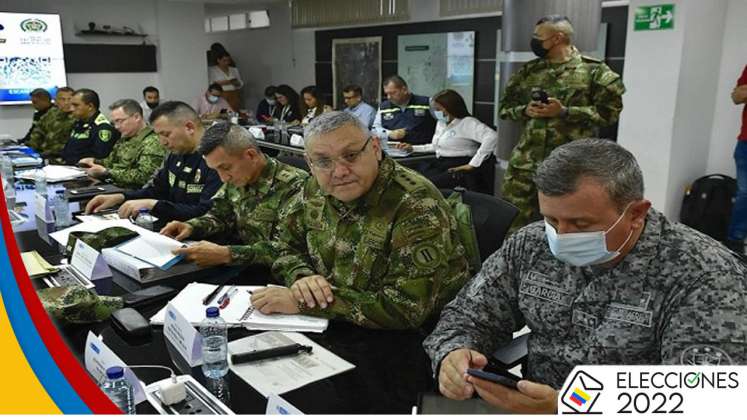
point(677, 296)
point(590, 90)
point(393, 255)
point(252, 211)
point(49, 135)
point(134, 160)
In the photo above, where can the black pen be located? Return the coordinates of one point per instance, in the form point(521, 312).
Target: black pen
point(215, 292)
point(254, 356)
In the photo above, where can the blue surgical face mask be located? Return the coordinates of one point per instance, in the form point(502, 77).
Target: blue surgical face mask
point(440, 116)
point(583, 248)
point(270, 101)
point(212, 99)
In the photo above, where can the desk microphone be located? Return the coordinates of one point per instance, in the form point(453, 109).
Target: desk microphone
point(254, 356)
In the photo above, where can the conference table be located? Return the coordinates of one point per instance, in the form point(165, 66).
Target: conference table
point(391, 368)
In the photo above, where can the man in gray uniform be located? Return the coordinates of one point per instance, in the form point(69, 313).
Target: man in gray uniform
point(604, 279)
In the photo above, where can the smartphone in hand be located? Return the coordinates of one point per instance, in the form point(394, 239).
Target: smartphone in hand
point(504, 378)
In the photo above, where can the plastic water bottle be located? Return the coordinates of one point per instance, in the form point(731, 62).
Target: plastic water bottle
point(214, 344)
point(144, 219)
point(284, 133)
point(119, 390)
point(9, 183)
point(61, 209)
point(40, 182)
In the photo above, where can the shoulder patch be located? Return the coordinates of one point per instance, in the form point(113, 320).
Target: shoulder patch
point(101, 119)
point(407, 181)
point(105, 135)
point(426, 256)
point(590, 59)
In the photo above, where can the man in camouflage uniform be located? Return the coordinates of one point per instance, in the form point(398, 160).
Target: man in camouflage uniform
point(635, 289)
point(42, 102)
point(49, 135)
point(382, 235)
point(256, 189)
point(583, 92)
point(92, 135)
point(136, 156)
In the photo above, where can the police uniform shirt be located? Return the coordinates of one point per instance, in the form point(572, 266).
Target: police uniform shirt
point(94, 137)
point(415, 118)
point(677, 298)
point(184, 188)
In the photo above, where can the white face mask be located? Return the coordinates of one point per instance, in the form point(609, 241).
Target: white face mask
point(212, 99)
point(583, 248)
point(440, 116)
point(270, 102)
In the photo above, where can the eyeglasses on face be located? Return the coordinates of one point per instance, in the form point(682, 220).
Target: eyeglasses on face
point(347, 159)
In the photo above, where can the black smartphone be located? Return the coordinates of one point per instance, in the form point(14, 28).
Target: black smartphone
point(540, 95)
point(87, 190)
point(148, 295)
point(504, 378)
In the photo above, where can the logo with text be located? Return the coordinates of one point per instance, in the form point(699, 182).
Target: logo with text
point(581, 394)
point(33, 25)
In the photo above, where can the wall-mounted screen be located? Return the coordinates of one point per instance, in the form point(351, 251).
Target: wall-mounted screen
point(30, 56)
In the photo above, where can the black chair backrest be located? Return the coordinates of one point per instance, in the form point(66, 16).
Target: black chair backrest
point(296, 161)
point(491, 216)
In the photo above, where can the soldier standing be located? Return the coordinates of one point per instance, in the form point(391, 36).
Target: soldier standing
point(92, 134)
point(136, 156)
point(605, 279)
point(256, 190)
point(575, 95)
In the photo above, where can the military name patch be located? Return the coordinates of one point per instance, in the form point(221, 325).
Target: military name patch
point(194, 188)
point(630, 315)
point(582, 319)
point(536, 285)
point(426, 256)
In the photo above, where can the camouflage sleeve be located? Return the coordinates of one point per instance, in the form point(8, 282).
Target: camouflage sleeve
point(484, 314)
point(513, 104)
point(606, 91)
point(36, 138)
point(416, 269)
point(707, 322)
point(59, 133)
point(148, 163)
point(287, 253)
point(218, 220)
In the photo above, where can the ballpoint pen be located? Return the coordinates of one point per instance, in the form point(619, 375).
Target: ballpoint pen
point(226, 298)
point(257, 355)
point(215, 292)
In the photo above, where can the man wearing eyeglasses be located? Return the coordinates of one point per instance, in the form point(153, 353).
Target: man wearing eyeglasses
point(255, 191)
point(136, 156)
point(367, 241)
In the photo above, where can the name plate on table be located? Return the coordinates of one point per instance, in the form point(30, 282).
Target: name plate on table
point(277, 405)
point(43, 209)
point(89, 262)
point(99, 357)
point(184, 337)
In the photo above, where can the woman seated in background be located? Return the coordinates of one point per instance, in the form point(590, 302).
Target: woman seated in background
point(266, 110)
point(462, 144)
point(288, 104)
point(313, 105)
point(228, 78)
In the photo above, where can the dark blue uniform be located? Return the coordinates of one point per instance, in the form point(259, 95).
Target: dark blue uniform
point(415, 118)
point(93, 137)
point(184, 188)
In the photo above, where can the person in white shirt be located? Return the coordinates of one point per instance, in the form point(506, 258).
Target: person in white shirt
point(313, 105)
point(228, 78)
point(462, 143)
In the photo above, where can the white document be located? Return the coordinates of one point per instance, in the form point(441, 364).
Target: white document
point(280, 375)
point(99, 357)
point(97, 217)
point(89, 262)
point(257, 133)
point(185, 338)
point(278, 405)
point(239, 311)
point(55, 173)
point(153, 248)
point(129, 266)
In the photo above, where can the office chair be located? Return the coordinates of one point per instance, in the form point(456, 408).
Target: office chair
point(295, 161)
point(491, 216)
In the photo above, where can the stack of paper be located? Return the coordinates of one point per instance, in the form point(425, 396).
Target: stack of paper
point(36, 265)
point(280, 375)
point(54, 173)
point(239, 311)
point(154, 249)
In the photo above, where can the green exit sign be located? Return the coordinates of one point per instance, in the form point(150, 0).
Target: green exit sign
point(652, 18)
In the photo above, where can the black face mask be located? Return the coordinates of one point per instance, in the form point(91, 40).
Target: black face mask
point(152, 105)
point(537, 48)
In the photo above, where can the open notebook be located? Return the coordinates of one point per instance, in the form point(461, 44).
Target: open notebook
point(153, 248)
point(238, 313)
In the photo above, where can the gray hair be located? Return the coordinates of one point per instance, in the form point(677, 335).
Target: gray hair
point(231, 137)
point(602, 160)
point(129, 106)
point(331, 121)
point(558, 23)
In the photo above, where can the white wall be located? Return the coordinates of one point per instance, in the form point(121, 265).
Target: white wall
point(267, 56)
point(727, 116)
point(174, 27)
